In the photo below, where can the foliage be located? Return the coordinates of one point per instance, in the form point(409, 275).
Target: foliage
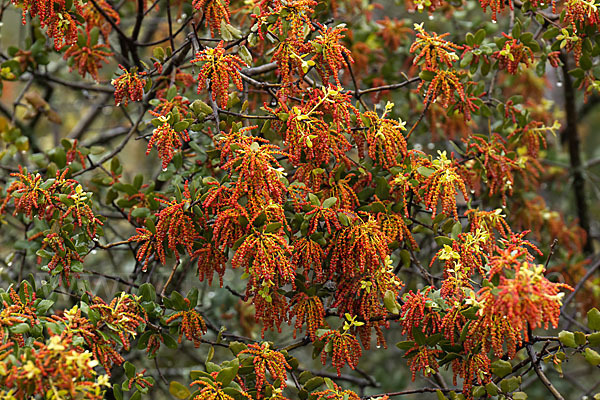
point(353, 173)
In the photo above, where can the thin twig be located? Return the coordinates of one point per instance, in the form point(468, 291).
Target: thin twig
point(541, 375)
point(164, 289)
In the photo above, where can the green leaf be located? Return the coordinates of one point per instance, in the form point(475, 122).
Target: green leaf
point(479, 36)
point(442, 240)
point(178, 390)
point(389, 300)
point(427, 75)
point(245, 55)
point(273, 227)
point(425, 171)
point(510, 384)
point(147, 292)
point(516, 31)
point(237, 347)
point(169, 341)
point(479, 391)
point(212, 367)
point(43, 306)
point(140, 212)
point(117, 392)
point(226, 375)
point(181, 126)
point(171, 93)
point(585, 62)
point(519, 396)
point(419, 336)
point(405, 345)
point(178, 301)
point(197, 374)
point(329, 202)
point(592, 356)
point(567, 338)
point(501, 368)
point(594, 319)
point(456, 230)
point(198, 106)
point(19, 328)
point(313, 383)
point(470, 313)
point(594, 339)
point(158, 53)
point(491, 389)
point(129, 369)
point(551, 33)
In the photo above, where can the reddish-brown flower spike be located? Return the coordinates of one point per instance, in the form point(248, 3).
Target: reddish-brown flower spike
point(60, 22)
point(384, 138)
point(81, 211)
point(212, 390)
point(93, 17)
point(31, 198)
point(345, 349)
point(495, 6)
point(309, 256)
point(88, 58)
point(498, 167)
point(217, 69)
point(292, 17)
point(63, 255)
point(166, 139)
point(336, 393)
point(393, 32)
point(210, 260)
point(309, 310)
point(289, 55)
point(75, 152)
point(54, 365)
point(266, 257)
point(307, 136)
point(149, 246)
point(139, 380)
point(580, 13)
point(364, 295)
point(128, 86)
point(423, 358)
point(177, 104)
point(258, 172)
point(330, 53)
point(271, 307)
point(358, 249)
point(474, 369)
point(122, 316)
point(265, 359)
point(433, 50)
point(16, 311)
point(227, 228)
point(154, 342)
point(175, 224)
point(528, 300)
point(320, 213)
point(513, 54)
point(395, 228)
point(417, 313)
point(443, 185)
point(444, 85)
point(192, 324)
point(215, 11)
